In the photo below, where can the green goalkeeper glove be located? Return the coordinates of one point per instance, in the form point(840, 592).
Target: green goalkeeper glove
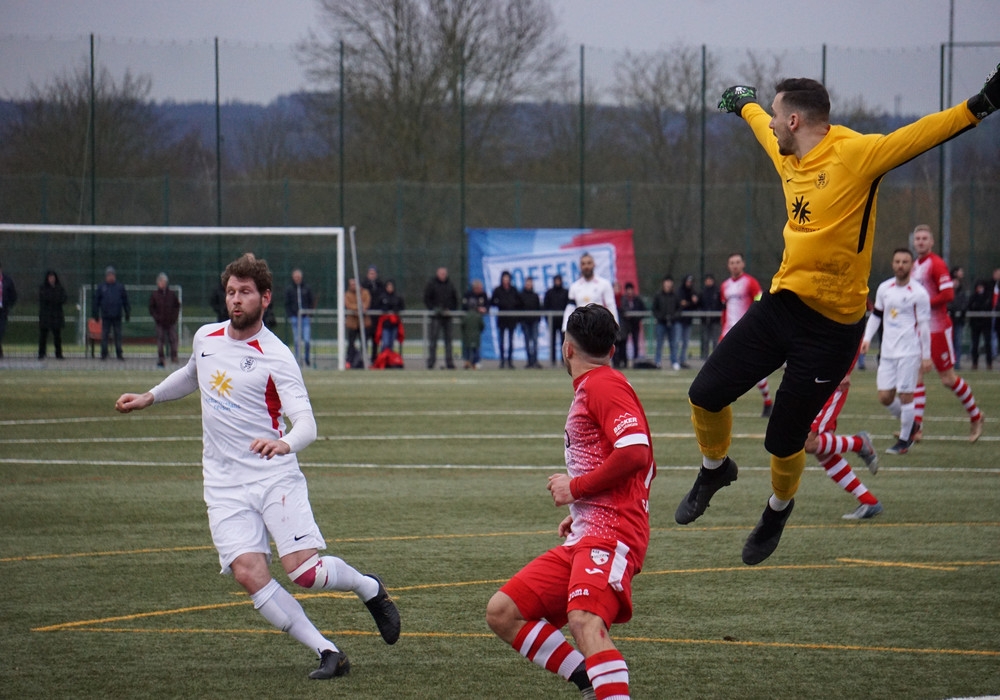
point(734, 98)
point(987, 100)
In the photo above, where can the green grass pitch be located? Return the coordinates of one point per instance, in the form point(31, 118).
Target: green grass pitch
point(436, 481)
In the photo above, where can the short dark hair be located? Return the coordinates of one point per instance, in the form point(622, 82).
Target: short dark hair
point(902, 250)
point(806, 95)
point(593, 329)
point(248, 266)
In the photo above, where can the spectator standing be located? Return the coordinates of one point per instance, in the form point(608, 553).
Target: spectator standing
point(507, 300)
point(981, 301)
point(299, 297)
point(711, 322)
point(351, 321)
point(110, 305)
point(556, 300)
point(687, 300)
point(390, 306)
point(530, 301)
point(373, 283)
point(51, 297)
point(440, 298)
point(591, 288)
point(956, 312)
point(665, 310)
point(631, 304)
point(165, 308)
point(218, 303)
point(475, 305)
point(8, 297)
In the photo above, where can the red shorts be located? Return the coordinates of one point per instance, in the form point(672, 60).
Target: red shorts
point(593, 575)
point(942, 351)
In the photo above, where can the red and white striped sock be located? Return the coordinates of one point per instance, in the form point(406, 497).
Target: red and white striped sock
point(831, 444)
point(545, 646)
point(840, 471)
point(609, 675)
point(919, 402)
point(964, 394)
point(765, 391)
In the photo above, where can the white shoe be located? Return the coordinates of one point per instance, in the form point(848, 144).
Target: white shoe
point(864, 512)
point(676, 366)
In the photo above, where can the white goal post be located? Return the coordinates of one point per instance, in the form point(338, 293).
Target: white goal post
point(21, 236)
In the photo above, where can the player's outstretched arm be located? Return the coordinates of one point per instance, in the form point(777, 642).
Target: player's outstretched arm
point(987, 100)
point(127, 403)
point(736, 97)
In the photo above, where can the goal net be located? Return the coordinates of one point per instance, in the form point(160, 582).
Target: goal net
point(192, 257)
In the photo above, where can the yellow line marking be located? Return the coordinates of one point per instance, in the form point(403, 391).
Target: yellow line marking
point(824, 647)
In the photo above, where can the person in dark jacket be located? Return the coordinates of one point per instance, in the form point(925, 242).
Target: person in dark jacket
point(8, 297)
point(298, 296)
point(475, 304)
point(390, 305)
point(165, 308)
point(981, 300)
point(666, 308)
point(507, 299)
point(631, 324)
point(441, 298)
point(529, 322)
point(51, 297)
point(687, 298)
point(110, 305)
point(556, 299)
point(711, 323)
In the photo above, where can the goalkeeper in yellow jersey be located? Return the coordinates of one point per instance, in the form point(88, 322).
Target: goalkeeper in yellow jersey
point(812, 318)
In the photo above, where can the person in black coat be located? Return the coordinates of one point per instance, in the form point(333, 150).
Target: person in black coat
point(981, 300)
point(8, 297)
point(556, 299)
point(506, 298)
point(51, 297)
point(110, 304)
point(441, 298)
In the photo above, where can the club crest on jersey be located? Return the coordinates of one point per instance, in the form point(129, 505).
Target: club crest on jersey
point(822, 180)
point(248, 364)
point(624, 422)
point(599, 556)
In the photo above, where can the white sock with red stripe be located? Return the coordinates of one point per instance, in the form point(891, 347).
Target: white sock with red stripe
point(545, 646)
point(830, 444)
point(334, 574)
point(609, 675)
point(919, 402)
point(765, 391)
point(964, 394)
point(840, 471)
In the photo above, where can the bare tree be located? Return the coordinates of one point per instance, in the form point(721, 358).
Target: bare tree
point(406, 62)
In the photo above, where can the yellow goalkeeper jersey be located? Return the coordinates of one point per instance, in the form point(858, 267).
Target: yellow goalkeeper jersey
point(830, 198)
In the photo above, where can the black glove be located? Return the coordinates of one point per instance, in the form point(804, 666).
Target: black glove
point(987, 100)
point(734, 98)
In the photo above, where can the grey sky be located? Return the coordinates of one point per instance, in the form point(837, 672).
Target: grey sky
point(172, 39)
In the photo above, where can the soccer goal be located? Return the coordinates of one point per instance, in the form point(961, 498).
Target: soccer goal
point(193, 257)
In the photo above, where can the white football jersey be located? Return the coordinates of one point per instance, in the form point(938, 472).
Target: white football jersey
point(905, 319)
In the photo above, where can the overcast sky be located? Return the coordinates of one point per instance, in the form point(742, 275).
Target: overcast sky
point(599, 24)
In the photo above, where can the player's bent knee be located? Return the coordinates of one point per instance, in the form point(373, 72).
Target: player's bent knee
point(501, 613)
point(310, 574)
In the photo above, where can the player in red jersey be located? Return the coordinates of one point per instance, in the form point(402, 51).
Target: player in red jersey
point(829, 448)
point(932, 272)
point(737, 294)
point(587, 581)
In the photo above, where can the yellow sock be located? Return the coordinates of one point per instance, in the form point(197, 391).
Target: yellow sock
point(786, 473)
point(714, 431)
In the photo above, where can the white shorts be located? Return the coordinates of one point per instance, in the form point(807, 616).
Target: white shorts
point(241, 518)
point(899, 373)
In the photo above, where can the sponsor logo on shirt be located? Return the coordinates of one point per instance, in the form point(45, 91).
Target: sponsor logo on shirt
point(624, 422)
point(221, 384)
point(579, 592)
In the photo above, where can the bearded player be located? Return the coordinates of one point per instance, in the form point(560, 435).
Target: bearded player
point(587, 581)
point(736, 294)
point(253, 486)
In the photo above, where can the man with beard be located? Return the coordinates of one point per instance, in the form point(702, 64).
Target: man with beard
point(255, 492)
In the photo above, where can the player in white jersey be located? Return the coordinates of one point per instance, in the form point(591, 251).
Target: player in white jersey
point(249, 383)
point(903, 309)
point(737, 293)
point(930, 270)
point(590, 289)
point(587, 581)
